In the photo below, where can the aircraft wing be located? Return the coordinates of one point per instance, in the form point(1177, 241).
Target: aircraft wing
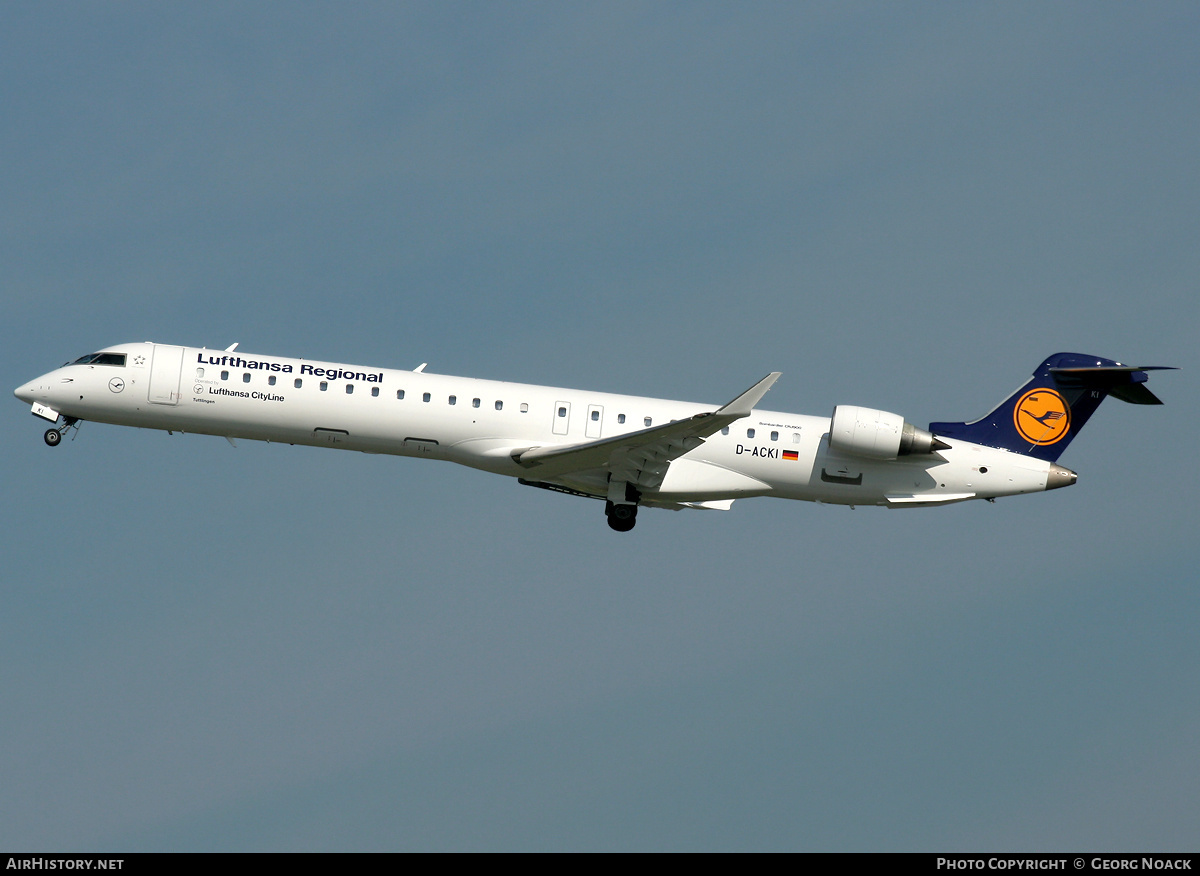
point(641, 458)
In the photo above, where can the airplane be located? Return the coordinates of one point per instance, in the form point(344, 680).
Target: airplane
point(625, 450)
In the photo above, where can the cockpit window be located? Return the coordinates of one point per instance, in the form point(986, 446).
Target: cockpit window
point(117, 359)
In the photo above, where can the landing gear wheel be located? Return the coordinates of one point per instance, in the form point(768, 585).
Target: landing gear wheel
point(621, 517)
point(52, 437)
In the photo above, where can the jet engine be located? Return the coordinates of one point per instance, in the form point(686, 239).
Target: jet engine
point(878, 434)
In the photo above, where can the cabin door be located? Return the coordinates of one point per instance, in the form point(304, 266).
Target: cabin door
point(562, 417)
point(166, 365)
point(594, 422)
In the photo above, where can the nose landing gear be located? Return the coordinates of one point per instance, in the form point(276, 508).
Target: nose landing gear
point(54, 437)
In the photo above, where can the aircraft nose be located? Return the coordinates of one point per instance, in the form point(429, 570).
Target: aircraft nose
point(1060, 477)
point(24, 393)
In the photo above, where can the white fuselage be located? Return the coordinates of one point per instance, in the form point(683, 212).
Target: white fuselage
point(484, 423)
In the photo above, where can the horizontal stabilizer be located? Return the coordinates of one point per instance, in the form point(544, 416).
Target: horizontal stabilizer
point(1126, 382)
point(1135, 394)
point(1114, 369)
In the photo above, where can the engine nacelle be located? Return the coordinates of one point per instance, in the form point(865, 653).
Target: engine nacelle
point(877, 434)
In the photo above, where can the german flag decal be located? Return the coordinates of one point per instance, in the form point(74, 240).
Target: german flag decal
point(791, 454)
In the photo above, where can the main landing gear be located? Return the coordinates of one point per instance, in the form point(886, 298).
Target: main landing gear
point(621, 507)
point(54, 437)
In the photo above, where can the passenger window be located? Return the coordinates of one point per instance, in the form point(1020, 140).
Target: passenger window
point(595, 416)
point(324, 385)
point(749, 433)
point(474, 402)
point(562, 412)
point(795, 437)
point(453, 399)
point(224, 375)
point(647, 421)
point(349, 389)
point(425, 396)
point(524, 408)
point(774, 436)
point(499, 405)
point(725, 431)
point(271, 380)
point(621, 419)
point(374, 392)
point(399, 393)
point(246, 377)
point(199, 373)
point(299, 383)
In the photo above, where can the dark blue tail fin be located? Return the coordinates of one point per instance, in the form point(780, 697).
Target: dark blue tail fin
point(1042, 417)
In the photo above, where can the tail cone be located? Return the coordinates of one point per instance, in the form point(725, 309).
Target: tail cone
point(1060, 477)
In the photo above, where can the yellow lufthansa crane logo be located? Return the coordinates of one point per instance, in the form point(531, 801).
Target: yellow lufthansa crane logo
point(1042, 416)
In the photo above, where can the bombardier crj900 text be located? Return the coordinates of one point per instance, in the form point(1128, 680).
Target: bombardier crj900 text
point(626, 450)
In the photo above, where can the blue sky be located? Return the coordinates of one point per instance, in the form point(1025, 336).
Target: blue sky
point(905, 207)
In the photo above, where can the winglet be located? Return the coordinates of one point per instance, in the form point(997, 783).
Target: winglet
point(744, 403)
